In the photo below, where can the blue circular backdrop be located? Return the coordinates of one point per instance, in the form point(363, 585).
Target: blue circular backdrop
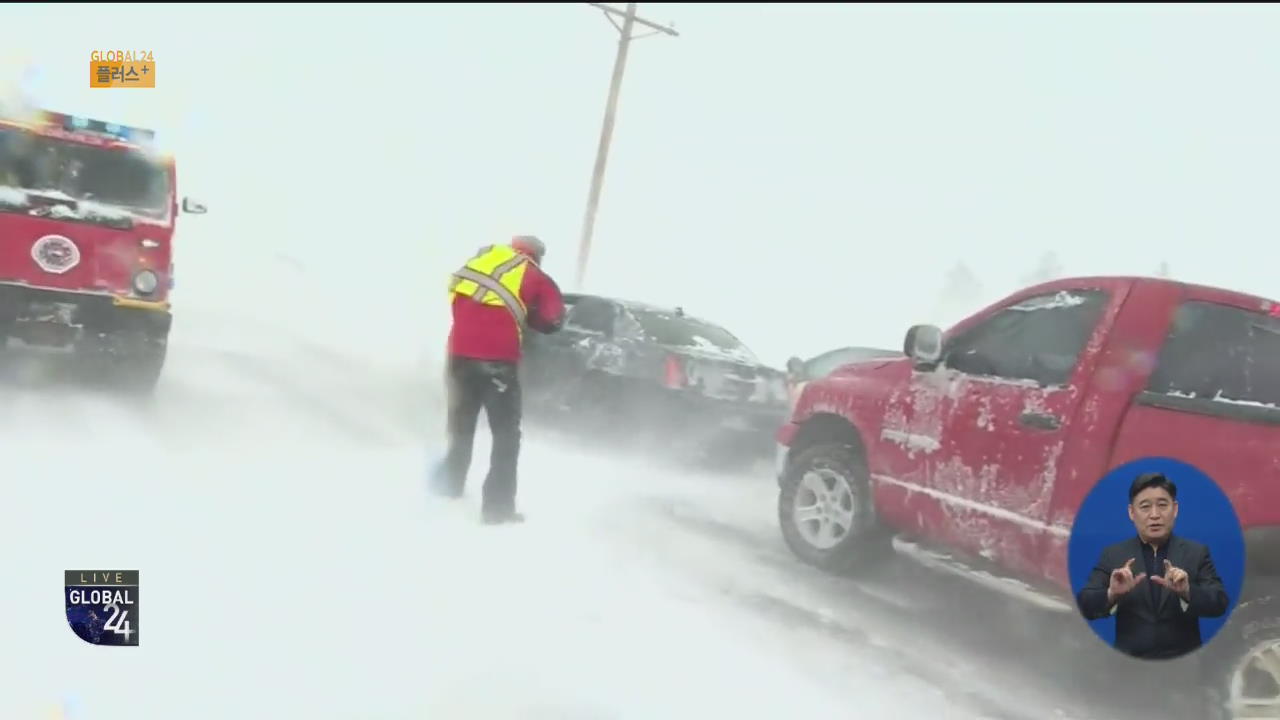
point(1205, 515)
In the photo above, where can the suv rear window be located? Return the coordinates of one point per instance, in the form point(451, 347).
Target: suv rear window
point(678, 331)
point(1222, 353)
point(590, 314)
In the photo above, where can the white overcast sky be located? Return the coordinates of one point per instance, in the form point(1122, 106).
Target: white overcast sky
point(805, 175)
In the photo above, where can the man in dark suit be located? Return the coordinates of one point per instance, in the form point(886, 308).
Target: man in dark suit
point(1157, 584)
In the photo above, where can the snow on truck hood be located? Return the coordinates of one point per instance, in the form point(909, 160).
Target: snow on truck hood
point(874, 361)
point(857, 367)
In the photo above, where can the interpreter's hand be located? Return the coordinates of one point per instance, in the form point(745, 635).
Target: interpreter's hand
point(1176, 580)
point(1122, 581)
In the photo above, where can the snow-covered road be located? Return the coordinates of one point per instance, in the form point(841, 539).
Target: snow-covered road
point(292, 566)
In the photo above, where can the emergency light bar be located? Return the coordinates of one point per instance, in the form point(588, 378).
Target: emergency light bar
point(77, 124)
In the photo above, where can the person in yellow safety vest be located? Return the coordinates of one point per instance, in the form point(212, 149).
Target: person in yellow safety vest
point(496, 296)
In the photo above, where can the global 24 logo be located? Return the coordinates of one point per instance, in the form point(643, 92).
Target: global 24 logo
point(102, 606)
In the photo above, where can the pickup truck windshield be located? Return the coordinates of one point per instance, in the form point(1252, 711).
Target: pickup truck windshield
point(109, 177)
point(1222, 353)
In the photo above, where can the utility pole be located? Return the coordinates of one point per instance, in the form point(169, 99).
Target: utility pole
point(606, 133)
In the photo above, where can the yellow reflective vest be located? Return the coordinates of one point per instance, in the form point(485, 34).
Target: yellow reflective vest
point(493, 277)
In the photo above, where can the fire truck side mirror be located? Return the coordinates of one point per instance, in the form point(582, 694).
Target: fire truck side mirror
point(193, 207)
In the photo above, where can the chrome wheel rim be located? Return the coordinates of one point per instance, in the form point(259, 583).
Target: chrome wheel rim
point(1255, 684)
point(824, 508)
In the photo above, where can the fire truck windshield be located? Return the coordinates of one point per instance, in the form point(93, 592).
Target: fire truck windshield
point(122, 179)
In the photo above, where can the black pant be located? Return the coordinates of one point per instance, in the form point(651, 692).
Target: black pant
point(494, 386)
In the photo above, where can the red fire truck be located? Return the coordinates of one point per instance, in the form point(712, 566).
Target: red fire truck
point(87, 216)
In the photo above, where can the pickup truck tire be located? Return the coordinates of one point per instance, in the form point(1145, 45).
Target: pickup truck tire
point(1242, 659)
point(825, 509)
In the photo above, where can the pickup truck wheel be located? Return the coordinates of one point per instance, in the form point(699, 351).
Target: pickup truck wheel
point(1244, 663)
point(825, 508)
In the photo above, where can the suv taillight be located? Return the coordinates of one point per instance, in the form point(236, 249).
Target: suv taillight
point(673, 373)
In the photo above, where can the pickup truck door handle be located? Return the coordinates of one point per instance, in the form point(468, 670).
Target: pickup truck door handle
point(1040, 421)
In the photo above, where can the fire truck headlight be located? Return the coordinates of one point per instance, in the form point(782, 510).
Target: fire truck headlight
point(146, 282)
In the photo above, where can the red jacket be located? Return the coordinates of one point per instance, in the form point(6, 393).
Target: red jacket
point(488, 332)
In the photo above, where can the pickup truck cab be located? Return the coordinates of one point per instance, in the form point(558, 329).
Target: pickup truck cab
point(973, 452)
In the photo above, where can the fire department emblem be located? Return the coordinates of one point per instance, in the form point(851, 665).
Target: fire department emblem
point(55, 254)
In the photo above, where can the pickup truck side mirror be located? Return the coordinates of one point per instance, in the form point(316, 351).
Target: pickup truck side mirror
point(193, 207)
point(923, 345)
point(795, 369)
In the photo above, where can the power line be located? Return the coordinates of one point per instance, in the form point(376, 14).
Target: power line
point(630, 20)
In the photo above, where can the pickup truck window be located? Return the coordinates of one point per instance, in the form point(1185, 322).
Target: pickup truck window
point(1038, 339)
point(1222, 353)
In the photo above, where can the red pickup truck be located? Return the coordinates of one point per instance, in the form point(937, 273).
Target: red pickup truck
point(972, 453)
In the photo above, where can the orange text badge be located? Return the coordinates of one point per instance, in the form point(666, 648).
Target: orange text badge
point(122, 69)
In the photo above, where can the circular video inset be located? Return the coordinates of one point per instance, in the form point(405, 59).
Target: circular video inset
point(1156, 558)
